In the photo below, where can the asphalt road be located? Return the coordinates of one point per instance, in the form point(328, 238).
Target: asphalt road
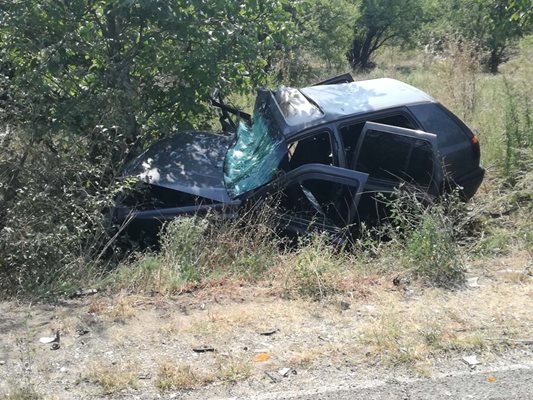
point(507, 383)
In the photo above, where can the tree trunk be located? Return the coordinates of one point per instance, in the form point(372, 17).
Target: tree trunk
point(494, 61)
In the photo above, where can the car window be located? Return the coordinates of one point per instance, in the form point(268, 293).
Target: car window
point(435, 120)
point(396, 158)
point(350, 133)
point(315, 149)
point(421, 164)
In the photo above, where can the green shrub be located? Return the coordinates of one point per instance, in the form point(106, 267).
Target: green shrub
point(432, 252)
point(195, 250)
point(429, 235)
point(518, 134)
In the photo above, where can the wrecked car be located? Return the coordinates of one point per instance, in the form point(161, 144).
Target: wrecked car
point(326, 151)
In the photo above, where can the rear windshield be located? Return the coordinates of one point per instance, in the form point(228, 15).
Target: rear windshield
point(435, 120)
point(257, 152)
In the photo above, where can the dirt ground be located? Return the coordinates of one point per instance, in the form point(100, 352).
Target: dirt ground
point(243, 342)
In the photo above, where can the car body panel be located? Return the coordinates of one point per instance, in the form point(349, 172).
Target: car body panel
point(363, 96)
point(312, 208)
point(186, 162)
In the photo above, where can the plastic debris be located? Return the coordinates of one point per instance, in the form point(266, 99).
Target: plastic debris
point(83, 293)
point(261, 357)
point(471, 361)
point(269, 332)
point(203, 349)
point(284, 372)
point(50, 339)
point(472, 282)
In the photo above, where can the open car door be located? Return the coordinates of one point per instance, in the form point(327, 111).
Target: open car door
point(315, 197)
point(391, 155)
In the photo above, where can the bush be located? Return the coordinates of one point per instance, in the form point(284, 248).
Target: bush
point(429, 236)
point(433, 253)
point(196, 250)
point(52, 225)
point(518, 134)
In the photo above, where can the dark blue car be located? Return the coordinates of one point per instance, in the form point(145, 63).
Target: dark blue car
point(325, 152)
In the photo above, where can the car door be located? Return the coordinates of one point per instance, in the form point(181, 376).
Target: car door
point(391, 155)
point(315, 197)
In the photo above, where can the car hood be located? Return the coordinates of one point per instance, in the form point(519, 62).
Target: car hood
point(189, 162)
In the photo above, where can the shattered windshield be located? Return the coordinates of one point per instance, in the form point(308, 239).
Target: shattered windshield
point(257, 152)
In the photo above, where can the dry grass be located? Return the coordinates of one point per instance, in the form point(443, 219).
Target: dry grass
point(440, 323)
point(233, 369)
point(22, 393)
point(174, 376)
point(114, 378)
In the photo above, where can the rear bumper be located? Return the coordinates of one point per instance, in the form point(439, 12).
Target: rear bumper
point(470, 182)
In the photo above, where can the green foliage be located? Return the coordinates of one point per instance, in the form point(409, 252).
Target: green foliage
point(196, 250)
point(433, 253)
point(493, 25)
point(51, 220)
point(143, 67)
point(518, 133)
point(323, 31)
point(182, 246)
point(86, 85)
point(430, 235)
point(382, 21)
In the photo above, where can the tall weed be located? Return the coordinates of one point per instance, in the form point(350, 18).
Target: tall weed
point(518, 134)
point(429, 236)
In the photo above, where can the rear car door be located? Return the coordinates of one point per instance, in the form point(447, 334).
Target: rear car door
point(315, 197)
point(391, 155)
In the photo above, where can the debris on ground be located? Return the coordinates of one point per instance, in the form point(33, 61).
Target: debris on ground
point(50, 339)
point(83, 293)
point(471, 361)
point(272, 377)
point(269, 332)
point(473, 282)
point(203, 349)
point(261, 357)
point(345, 305)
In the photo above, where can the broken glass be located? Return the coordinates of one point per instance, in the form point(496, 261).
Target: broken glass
point(259, 148)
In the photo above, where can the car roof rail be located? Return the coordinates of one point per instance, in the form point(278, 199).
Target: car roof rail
point(344, 78)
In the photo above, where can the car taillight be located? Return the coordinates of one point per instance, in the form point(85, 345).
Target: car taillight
point(475, 147)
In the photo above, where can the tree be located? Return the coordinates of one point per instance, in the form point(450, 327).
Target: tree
point(85, 85)
point(138, 68)
point(492, 25)
point(325, 28)
point(380, 22)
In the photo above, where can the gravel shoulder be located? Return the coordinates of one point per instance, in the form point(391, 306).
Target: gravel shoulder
point(390, 342)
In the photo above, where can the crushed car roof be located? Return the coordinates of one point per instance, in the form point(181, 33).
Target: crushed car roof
point(347, 99)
